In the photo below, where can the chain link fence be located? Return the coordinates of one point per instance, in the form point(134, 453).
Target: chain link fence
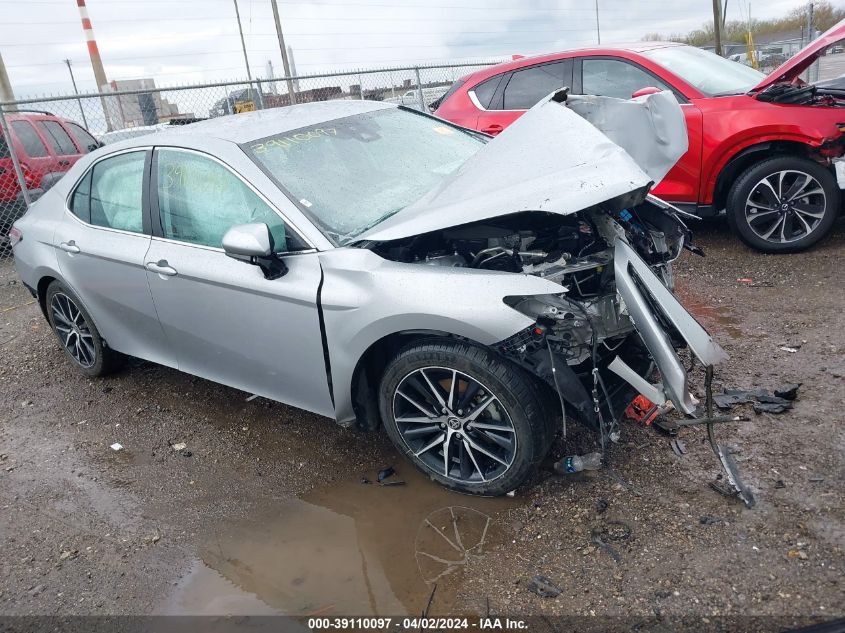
point(41, 138)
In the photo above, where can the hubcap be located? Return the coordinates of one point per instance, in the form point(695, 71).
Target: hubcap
point(785, 206)
point(73, 331)
point(454, 424)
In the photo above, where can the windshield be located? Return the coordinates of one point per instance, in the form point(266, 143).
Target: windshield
point(713, 75)
point(352, 173)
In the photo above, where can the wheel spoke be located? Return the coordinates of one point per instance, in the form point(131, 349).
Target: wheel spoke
point(756, 216)
point(415, 420)
point(492, 427)
point(804, 222)
point(468, 450)
point(481, 407)
point(463, 459)
point(433, 389)
point(798, 185)
point(786, 230)
point(472, 389)
point(502, 442)
point(813, 210)
point(773, 228)
point(430, 445)
point(453, 389)
point(768, 191)
point(421, 431)
point(61, 317)
point(427, 412)
point(484, 451)
point(446, 443)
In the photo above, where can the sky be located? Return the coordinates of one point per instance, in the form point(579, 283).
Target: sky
point(194, 41)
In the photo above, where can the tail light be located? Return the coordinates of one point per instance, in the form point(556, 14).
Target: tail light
point(15, 235)
point(29, 177)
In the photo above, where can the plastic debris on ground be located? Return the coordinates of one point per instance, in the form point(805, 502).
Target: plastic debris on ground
point(181, 446)
point(116, 446)
point(763, 400)
point(544, 587)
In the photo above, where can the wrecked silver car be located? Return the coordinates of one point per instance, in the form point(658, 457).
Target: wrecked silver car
point(380, 266)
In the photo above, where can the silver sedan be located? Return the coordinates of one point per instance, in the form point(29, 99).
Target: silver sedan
point(385, 268)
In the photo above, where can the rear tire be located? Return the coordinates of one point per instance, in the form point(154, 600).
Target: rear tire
point(77, 334)
point(490, 415)
point(783, 205)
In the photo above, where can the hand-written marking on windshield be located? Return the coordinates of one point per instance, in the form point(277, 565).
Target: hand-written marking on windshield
point(286, 142)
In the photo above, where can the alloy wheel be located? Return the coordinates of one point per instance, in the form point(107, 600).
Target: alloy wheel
point(785, 206)
point(74, 332)
point(454, 424)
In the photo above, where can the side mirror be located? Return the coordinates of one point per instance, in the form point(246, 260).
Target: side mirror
point(642, 92)
point(253, 244)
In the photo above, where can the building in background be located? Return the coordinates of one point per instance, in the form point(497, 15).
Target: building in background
point(139, 109)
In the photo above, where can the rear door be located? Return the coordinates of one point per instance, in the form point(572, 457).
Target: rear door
point(617, 77)
point(515, 92)
point(37, 154)
point(63, 146)
point(101, 244)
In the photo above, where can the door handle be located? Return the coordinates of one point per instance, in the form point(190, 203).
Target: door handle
point(493, 128)
point(69, 247)
point(64, 163)
point(161, 267)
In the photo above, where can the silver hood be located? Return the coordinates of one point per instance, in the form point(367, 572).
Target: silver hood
point(557, 157)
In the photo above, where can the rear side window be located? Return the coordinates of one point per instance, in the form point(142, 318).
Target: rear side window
point(526, 87)
point(58, 138)
point(80, 201)
point(86, 142)
point(116, 192)
point(452, 90)
point(32, 143)
point(486, 89)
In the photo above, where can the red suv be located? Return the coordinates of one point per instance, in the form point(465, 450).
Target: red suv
point(761, 148)
point(46, 147)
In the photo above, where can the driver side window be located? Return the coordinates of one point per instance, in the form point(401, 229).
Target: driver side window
point(199, 200)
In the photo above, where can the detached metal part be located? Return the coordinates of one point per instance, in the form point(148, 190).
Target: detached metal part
point(644, 293)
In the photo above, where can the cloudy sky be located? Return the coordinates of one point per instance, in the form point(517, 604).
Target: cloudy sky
point(190, 41)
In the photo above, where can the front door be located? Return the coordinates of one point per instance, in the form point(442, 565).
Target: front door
point(227, 323)
point(101, 251)
point(614, 77)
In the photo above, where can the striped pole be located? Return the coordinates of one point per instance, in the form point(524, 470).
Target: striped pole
point(94, 53)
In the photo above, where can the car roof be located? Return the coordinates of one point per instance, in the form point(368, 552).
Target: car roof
point(249, 126)
point(521, 62)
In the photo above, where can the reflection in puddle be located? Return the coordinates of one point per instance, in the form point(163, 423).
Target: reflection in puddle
point(351, 549)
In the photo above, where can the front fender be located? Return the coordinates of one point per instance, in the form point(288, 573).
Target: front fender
point(365, 298)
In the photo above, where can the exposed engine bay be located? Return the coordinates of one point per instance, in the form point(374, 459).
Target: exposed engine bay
point(575, 251)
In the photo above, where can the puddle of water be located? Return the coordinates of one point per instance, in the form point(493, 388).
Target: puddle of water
point(350, 549)
point(718, 317)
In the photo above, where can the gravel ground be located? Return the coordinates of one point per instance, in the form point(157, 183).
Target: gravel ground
point(90, 530)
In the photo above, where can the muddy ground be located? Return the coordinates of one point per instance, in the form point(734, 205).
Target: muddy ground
point(264, 510)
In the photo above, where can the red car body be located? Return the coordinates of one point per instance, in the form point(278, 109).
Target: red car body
point(46, 146)
point(727, 134)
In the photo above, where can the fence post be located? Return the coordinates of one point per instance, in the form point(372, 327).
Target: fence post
point(15, 162)
point(260, 100)
point(361, 86)
point(419, 88)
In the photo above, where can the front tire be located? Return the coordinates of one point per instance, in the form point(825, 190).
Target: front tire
point(77, 334)
point(464, 416)
point(783, 205)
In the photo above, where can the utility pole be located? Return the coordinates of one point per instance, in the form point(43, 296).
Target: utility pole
point(284, 50)
point(6, 93)
point(598, 27)
point(76, 92)
point(243, 46)
point(813, 70)
point(96, 61)
point(717, 26)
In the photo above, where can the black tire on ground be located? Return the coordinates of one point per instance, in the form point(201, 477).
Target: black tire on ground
point(519, 401)
point(749, 187)
point(98, 358)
